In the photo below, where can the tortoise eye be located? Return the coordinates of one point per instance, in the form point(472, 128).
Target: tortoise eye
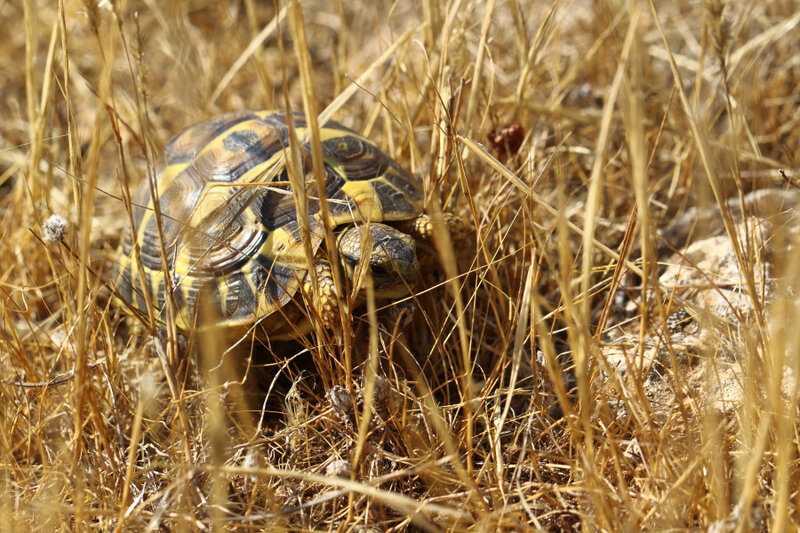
point(380, 271)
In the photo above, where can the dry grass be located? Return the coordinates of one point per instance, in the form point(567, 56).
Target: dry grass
point(488, 410)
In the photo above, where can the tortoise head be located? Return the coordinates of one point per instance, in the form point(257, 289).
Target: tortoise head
point(390, 254)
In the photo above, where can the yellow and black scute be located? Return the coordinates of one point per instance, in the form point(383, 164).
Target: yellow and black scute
point(225, 224)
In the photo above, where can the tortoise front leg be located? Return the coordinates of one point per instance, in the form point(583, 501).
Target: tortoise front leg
point(422, 227)
point(326, 303)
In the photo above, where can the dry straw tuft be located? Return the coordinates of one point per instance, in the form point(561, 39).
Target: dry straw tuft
point(529, 381)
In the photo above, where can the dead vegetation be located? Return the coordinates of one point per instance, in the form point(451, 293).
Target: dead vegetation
point(574, 135)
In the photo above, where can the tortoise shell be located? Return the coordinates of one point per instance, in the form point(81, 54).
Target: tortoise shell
point(225, 220)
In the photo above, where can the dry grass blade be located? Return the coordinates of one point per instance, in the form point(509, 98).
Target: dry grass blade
point(341, 99)
point(711, 172)
point(612, 349)
point(478, 69)
point(409, 507)
point(256, 43)
point(315, 143)
point(506, 173)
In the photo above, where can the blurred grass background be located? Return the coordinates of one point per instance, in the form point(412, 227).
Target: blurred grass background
point(568, 132)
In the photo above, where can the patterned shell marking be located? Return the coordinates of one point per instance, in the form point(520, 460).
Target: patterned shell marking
point(228, 220)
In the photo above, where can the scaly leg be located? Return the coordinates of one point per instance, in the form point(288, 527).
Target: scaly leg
point(422, 227)
point(327, 304)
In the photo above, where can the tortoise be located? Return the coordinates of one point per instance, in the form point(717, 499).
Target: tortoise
point(230, 237)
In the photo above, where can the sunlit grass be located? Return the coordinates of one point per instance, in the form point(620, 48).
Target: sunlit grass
point(496, 405)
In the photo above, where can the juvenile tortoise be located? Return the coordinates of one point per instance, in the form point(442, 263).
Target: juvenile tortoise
point(230, 234)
